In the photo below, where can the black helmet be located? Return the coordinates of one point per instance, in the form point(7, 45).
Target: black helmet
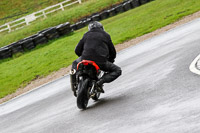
point(95, 24)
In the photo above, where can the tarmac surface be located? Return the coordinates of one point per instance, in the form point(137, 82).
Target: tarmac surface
point(156, 93)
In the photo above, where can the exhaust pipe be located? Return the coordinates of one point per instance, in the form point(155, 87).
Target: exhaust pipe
point(72, 74)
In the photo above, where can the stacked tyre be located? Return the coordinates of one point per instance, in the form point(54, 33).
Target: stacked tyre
point(119, 8)
point(143, 1)
point(127, 5)
point(104, 15)
point(27, 43)
point(16, 47)
point(63, 29)
point(96, 17)
point(86, 21)
point(39, 39)
point(135, 3)
point(50, 33)
point(5, 53)
point(79, 25)
point(111, 12)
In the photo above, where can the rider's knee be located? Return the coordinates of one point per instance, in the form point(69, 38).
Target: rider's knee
point(119, 72)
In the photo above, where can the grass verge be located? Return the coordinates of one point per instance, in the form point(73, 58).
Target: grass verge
point(22, 8)
point(18, 72)
point(71, 15)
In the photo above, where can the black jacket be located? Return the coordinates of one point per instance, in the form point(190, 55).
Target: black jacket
point(96, 45)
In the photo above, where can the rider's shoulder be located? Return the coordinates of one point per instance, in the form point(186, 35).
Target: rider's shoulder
point(107, 33)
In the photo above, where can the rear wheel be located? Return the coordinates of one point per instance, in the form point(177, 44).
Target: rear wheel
point(82, 98)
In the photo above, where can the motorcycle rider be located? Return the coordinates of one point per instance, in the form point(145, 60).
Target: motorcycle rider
point(96, 45)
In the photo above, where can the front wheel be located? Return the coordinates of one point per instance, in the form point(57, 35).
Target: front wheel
point(82, 98)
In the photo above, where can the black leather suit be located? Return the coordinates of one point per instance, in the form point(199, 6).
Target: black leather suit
point(96, 45)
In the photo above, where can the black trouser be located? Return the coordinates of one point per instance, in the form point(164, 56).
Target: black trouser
point(113, 71)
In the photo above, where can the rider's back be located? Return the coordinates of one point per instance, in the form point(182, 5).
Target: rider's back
point(96, 45)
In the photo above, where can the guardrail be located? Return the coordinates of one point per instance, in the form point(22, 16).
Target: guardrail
point(21, 22)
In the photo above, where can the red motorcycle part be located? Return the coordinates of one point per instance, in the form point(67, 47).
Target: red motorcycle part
point(87, 62)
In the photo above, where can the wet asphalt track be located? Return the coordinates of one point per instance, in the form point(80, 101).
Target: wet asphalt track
point(156, 94)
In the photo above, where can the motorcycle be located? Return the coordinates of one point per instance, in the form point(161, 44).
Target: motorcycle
point(87, 74)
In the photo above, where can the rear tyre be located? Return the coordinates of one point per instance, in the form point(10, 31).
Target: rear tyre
point(82, 98)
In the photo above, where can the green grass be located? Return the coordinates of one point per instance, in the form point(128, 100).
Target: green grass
point(60, 53)
point(71, 15)
point(11, 10)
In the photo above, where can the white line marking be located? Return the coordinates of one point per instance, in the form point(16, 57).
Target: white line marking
point(193, 66)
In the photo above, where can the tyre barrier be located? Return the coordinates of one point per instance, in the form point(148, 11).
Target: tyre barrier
point(111, 12)
point(39, 39)
point(143, 1)
point(45, 35)
point(135, 3)
point(96, 17)
point(50, 33)
point(119, 8)
point(127, 5)
point(5, 53)
point(104, 15)
point(73, 27)
point(79, 25)
point(16, 47)
point(63, 29)
point(27, 44)
point(87, 21)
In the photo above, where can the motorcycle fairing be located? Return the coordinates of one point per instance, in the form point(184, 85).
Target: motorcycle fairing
point(87, 62)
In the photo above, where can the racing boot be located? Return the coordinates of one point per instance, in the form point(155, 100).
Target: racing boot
point(72, 74)
point(99, 85)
